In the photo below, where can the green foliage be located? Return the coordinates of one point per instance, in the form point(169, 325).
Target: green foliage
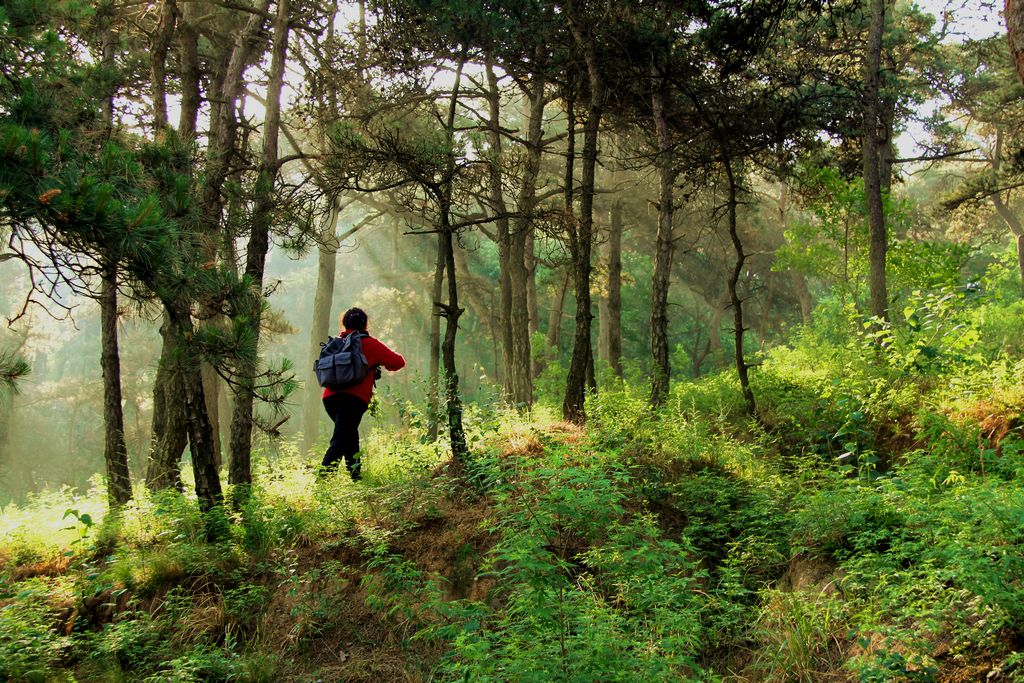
point(135, 643)
point(201, 663)
point(12, 369)
point(30, 649)
point(589, 591)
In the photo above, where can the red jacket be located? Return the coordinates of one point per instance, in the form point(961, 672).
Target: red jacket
point(376, 354)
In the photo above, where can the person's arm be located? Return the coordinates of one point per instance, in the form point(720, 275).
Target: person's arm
point(384, 356)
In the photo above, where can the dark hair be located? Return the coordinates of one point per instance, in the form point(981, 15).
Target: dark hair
point(354, 319)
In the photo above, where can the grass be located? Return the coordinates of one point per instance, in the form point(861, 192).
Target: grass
point(685, 544)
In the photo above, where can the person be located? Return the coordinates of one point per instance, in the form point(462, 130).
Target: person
point(346, 406)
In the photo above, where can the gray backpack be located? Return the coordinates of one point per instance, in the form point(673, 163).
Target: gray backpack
point(342, 362)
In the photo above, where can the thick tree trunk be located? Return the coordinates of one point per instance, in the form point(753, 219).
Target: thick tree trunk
point(190, 73)
point(663, 253)
point(519, 239)
point(320, 327)
point(158, 62)
point(497, 200)
point(1014, 15)
point(200, 432)
point(115, 453)
point(1014, 223)
point(581, 238)
point(878, 238)
point(169, 426)
point(256, 253)
point(734, 298)
point(169, 432)
point(212, 392)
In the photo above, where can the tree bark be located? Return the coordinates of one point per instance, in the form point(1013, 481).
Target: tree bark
point(169, 432)
point(557, 312)
point(451, 311)
point(615, 288)
point(520, 237)
point(878, 238)
point(1009, 217)
point(603, 339)
point(663, 253)
point(169, 425)
point(532, 304)
point(501, 222)
point(190, 73)
point(240, 473)
point(734, 298)
point(320, 327)
point(158, 62)
point(115, 452)
point(1014, 15)
point(803, 294)
point(200, 432)
point(580, 242)
point(433, 388)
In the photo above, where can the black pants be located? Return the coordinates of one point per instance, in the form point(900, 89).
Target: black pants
point(346, 411)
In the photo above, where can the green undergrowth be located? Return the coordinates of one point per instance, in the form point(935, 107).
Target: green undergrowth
point(866, 525)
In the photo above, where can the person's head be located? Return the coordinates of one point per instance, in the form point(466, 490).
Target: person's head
point(354, 319)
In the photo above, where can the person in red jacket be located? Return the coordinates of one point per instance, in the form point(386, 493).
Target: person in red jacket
point(346, 406)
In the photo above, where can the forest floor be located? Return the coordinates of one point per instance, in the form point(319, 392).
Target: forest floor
point(687, 544)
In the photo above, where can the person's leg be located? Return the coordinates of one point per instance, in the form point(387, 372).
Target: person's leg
point(350, 414)
point(334, 450)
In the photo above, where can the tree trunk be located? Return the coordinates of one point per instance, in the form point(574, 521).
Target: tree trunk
point(531, 293)
point(212, 392)
point(433, 399)
point(663, 254)
point(256, 253)
point(700, 350)
point(452, 312)
point(803, 294)
point(169, 432)
point(497, 200)
point(115, 453)
point(1014, 15)
point(615, 289)
point(734, 298)
point(190, 73)
point(581, 239)
point(158, 62)
point(1009, 217)
point(878, 239)
point(603, 339)
point(320, 327)
point(557, 312)
point(200, 432)
point(520, 240)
